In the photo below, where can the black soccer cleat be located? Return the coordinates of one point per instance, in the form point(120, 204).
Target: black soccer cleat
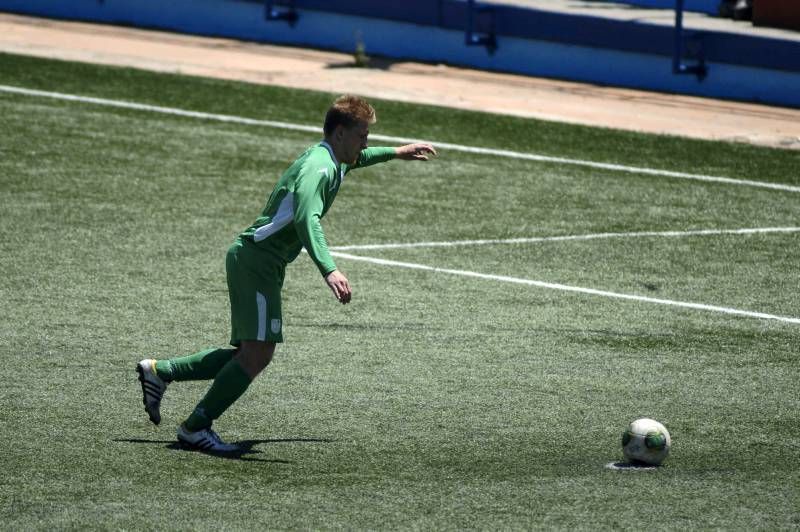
point(205, 440)
point(153, 388)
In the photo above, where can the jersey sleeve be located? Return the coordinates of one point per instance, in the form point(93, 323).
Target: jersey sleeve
point(374, 155)
point(308, 208)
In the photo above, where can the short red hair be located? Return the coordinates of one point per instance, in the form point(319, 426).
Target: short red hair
point(348, 110)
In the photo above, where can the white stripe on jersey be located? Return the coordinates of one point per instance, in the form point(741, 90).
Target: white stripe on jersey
point(282, 218)
point(261, 303)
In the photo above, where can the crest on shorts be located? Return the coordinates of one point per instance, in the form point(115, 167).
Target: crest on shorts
point(275, 325)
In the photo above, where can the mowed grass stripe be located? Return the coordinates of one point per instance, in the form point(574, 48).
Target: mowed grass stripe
point(401, 140)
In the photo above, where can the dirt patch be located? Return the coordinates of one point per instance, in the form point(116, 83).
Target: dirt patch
point(404, 81)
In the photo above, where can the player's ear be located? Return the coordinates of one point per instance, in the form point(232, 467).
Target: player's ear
point(338, 133)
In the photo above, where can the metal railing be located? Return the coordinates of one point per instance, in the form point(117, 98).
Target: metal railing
point(695, 46)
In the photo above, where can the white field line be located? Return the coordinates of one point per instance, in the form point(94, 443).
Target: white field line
point(566, 288)
point(158, 109)
point(399, 140)
point(467, 149)
point(530, 240)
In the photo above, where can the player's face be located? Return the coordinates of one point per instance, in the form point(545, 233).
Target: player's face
point(353, 140)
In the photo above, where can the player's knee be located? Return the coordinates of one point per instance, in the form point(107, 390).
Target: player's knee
point(268, 351)
point(255, 356)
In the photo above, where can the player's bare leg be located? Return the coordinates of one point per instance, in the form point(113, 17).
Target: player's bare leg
point(254, 356)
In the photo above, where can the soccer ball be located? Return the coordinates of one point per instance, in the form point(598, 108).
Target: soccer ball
point(645, 441)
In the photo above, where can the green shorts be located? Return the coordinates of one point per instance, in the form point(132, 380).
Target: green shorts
point(255, 279)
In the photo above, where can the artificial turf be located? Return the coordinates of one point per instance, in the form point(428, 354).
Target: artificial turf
point(433, 400)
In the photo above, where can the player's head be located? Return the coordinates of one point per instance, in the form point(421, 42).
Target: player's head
point(347, 126)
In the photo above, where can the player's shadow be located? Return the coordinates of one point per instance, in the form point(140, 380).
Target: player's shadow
point(244, 453)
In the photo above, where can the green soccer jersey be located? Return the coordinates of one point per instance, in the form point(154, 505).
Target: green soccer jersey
point(304, 193)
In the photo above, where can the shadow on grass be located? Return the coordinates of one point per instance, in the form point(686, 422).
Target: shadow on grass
point(365, 326)
point(244, 453)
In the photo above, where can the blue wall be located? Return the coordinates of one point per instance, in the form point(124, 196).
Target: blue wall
point(709, 7)
point(564, 46)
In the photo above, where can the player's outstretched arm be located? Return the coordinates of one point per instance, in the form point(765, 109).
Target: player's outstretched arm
point(419, 151)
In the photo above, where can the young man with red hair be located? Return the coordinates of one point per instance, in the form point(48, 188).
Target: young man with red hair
point(255, 268)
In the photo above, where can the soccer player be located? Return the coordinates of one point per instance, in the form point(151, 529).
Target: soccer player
point(255, 269)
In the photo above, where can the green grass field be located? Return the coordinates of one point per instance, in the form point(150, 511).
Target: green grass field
point(435, 400)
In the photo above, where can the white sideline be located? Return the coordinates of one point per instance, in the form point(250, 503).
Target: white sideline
point(567, 288)
point(530, 240)
point(399, 140)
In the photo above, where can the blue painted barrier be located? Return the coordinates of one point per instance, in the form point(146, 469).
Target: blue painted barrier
point(529, 41)
point(709, 7)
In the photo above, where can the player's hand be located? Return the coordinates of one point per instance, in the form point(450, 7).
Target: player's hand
point(415, 152)
point(340, 286)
